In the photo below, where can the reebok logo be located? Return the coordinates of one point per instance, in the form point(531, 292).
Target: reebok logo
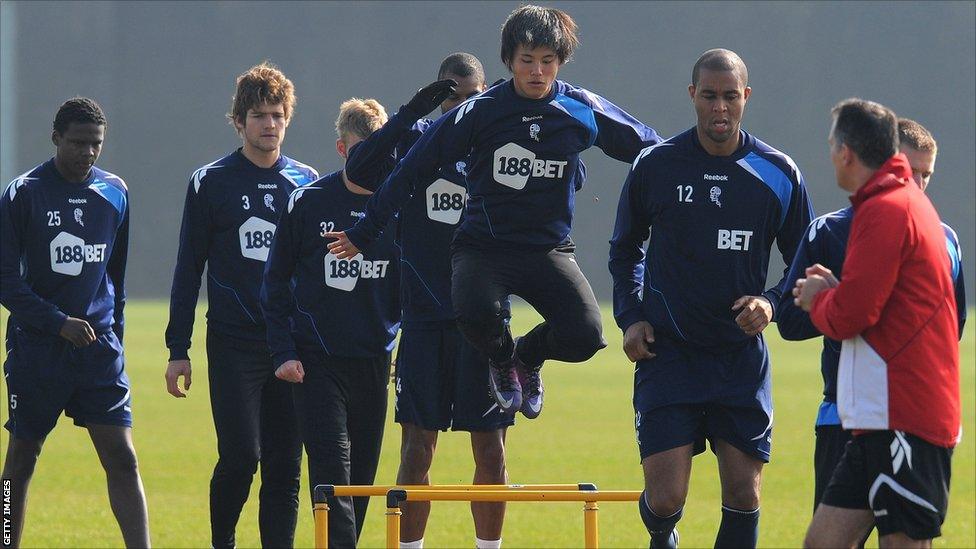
point(267, 185)
point(531, 118)
point(354, 213)
point(709, 177)
point(77, 201)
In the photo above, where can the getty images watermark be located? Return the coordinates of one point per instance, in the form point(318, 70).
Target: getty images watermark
point(7, 526)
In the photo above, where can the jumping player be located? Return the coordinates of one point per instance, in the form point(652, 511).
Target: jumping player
point(229, 218)
point(66, 223)
point(331, 326)
point(521, 142)
point(693, 309)
point(440, 378)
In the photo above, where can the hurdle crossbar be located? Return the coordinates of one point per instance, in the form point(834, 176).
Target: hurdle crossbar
point(323, 492)
point(590, 508)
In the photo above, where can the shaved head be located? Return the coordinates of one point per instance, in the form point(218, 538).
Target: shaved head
point(720, 59)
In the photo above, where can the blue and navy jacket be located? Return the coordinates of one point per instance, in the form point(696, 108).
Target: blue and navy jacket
point(427, 221)
point(314, 302)
point(712, 221)
point(825, 243)
point(522, 162)
point(228, 225)
point(63, 250)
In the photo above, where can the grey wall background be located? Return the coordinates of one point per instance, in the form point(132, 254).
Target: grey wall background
point(164, 73)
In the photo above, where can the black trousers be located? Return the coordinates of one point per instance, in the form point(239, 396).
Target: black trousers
point(255, 421)
point(341, 406)
point(549, 280)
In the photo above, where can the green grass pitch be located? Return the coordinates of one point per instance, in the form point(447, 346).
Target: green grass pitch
point(585, 434)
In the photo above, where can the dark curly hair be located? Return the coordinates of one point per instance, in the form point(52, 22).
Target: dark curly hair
point(78, 109)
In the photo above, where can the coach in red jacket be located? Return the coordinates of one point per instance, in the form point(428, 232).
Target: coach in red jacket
point(898, 380)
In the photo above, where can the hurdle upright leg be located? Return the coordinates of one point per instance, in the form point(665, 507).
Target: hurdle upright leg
point(591, 529)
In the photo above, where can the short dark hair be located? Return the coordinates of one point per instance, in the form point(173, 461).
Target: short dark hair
point(536, 26)
point(870, 130)
point(461, 64)
point(914, 135)
point(719, 59)
point(78, 109)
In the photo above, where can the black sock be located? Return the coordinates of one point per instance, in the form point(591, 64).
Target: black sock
point(739, 528)
point(660, 528)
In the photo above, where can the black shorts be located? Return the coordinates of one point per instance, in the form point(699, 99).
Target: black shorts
point(903, 479)
point(442, 382)
point(831, 441)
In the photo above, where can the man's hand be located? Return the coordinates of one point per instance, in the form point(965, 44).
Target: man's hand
point(637, 339)
point(79, 332)
point(342, 248)
point(757, 313)
point(807, 288)
point(827, 274)
point(291, 370)
point(431, 96)
point(175, 369)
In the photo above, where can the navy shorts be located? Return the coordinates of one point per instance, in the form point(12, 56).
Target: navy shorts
point(47, 375)
point(686, 395)
point(442, 382)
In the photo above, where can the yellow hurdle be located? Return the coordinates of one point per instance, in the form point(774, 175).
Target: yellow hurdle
point(590, 509)
point(323, 492)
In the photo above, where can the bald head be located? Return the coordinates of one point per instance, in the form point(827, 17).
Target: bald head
point(720, 59)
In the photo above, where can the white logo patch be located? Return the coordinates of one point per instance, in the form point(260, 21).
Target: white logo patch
point(256, 235)
point(461, 168)
point(445, 201)
point(70, 253)
point(78, 214)
point(343, 274)
point(713, 194)
point(514, 165)
point(534, 130)
point(269, 202)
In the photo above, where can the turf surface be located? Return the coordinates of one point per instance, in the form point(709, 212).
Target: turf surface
point(585, 434)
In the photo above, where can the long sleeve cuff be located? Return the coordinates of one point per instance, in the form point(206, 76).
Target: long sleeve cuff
point(773, 297)
point(282, 357)
point(54, 322)
point(628, 318)
point(179, 353)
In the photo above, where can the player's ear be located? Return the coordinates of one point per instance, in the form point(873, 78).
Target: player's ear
point(691, 91)
point(746, 93)
point(341, 148)
point(55, 138)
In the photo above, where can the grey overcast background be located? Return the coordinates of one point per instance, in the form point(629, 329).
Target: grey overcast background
point(164, 73)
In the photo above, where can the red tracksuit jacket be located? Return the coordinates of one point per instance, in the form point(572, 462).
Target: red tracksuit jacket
point(895, 311)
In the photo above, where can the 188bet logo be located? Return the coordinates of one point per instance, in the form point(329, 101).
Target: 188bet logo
point(343, 274)
point(256, 236)
point(70, 253)
point(514, 165)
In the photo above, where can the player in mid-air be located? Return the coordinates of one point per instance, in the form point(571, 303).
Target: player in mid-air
point(64, 239)
point(229, 218)
point(521, 142)
point(894, 309)
point(693, 308)
point(440, 378)
point(332, 324)
point(826, 244)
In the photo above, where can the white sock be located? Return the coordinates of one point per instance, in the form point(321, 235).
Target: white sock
point(488, 543)
point(419, 544)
